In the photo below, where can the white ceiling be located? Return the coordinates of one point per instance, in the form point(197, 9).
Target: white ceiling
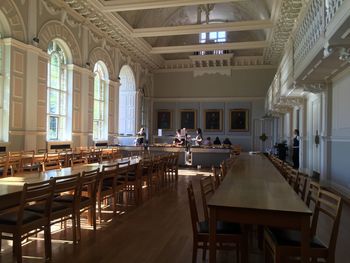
point(156, 31)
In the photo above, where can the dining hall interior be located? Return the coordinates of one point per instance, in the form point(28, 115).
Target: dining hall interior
point(174, 131)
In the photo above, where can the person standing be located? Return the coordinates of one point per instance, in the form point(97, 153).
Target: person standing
point(199, 138)
point(296, 149)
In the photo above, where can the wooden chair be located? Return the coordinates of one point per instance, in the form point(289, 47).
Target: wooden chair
point(285, 244)
point(65, 203)
point(15, 162)
point(217, 179)
point(107, 187)
point(312, 193)
point(51, 162)
point(227, 233)
point(28, 163)
point(207, 189)
point(23, 223)
point(87, 201)
point(301, 185)
point(4, 165)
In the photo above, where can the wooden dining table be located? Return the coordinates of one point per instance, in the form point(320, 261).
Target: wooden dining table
point(254, 192)
point(11, 187)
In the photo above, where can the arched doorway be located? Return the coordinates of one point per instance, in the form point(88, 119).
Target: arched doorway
point(127, 101)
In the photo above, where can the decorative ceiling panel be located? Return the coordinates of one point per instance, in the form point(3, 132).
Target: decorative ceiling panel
point(265, 25)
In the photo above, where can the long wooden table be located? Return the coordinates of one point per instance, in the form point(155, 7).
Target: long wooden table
point(11, 187)
point(254, 192)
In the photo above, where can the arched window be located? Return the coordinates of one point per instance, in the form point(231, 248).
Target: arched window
point(127, 101)
point(58, 95)
point(100, 126)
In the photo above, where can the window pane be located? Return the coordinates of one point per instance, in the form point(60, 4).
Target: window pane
point(53, 101)
point(203, 36)
point(96, 110)
point(63, 104)
point(63, 79)
point(222, 34)
point(54, 72)
point(53, 128)
point(212, 35)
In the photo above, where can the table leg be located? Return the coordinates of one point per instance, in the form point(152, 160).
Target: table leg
point(212, 235)
point(305, 239)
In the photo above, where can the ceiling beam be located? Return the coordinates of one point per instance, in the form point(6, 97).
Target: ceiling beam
point(197, 29)
point(128, 5)
point(210, 47)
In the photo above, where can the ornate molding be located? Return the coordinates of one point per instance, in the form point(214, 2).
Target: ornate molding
point(99, 53)
point(292, 101)
point(14, 19)
point(310, 87)
point(113, 27)
point(289, 12)
point(55, 29)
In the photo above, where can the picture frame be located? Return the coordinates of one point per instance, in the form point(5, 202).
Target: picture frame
point(239, 120)
point(188, 119)
point(213, 120)
point(164, 119)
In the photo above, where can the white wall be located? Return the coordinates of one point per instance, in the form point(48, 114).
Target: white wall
point(340, 132)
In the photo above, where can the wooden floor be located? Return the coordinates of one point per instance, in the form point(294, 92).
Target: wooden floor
point(157, 231)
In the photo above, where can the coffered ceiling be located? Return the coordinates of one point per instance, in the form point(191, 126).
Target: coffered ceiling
point(158, 31)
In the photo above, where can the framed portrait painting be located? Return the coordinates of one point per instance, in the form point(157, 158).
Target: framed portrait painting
point(188, 119)
point(239, 120)
point(164, 119)
point(213, 120)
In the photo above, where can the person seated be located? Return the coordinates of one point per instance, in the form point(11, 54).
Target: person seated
point(140, 137)
point(179, 140)
point(207, 142)
point(227, 142)
point(217, 141)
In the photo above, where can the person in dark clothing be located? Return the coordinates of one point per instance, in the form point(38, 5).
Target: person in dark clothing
point(296, 149)
point(227, 142)
point(217, 141)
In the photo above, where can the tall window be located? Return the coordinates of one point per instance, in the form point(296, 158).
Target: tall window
point(57, 94)
point(100, 127)
point(127, 101)
point(212, 37)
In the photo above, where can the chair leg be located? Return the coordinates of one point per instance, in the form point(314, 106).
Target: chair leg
point(99, 209)
point(204, 252)
point(74, 226)
point(78, 225)
point(194, 252)
point(93, 212)
point(47, 238)
point(17, 247)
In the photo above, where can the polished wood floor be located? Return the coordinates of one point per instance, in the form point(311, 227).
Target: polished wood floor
point(155, 232)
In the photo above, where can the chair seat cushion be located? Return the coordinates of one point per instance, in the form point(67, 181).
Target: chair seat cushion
point(69, 198)
point(11, 218)
point(40, 208)
point(222, 227)
point(287, 237)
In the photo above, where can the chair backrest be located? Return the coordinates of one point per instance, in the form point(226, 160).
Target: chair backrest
point(89, 180)
point(34, 193)
point(4, 165)
point(193, 208)
point(15, 162)
point(301, 185)
point(68, 183)
point(108, 171)
point(329, 205)
point(207, 189)
point(292, 177)
point(312, 193)
point(216, 173)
